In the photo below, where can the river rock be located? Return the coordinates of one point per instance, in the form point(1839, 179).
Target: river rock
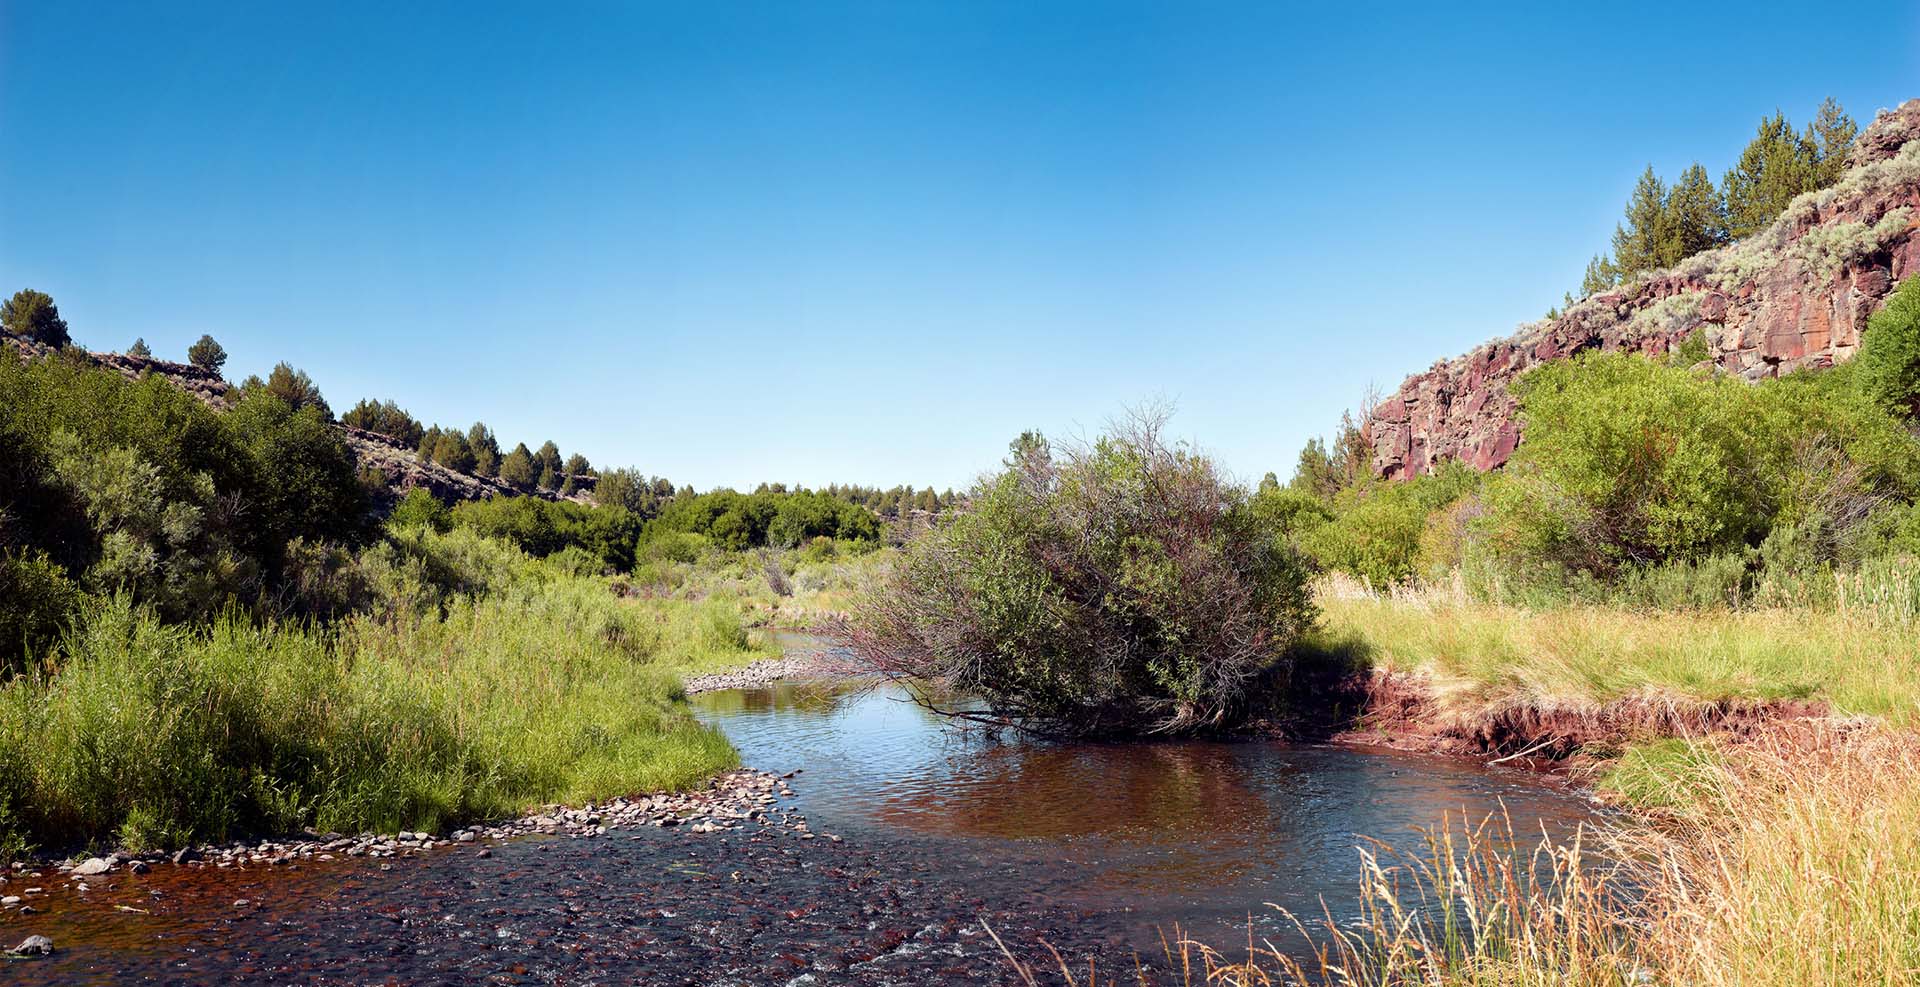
point(34, 946)
point(92, 866)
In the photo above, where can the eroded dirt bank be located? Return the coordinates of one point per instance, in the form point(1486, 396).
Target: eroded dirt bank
point(1409, 712)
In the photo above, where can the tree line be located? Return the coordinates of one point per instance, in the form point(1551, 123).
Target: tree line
point(1665, 224)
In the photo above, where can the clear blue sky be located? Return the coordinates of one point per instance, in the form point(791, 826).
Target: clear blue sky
point(871, 243)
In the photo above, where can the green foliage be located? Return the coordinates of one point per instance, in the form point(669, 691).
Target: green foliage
point(386, 418)
point(450, 450)
point(485, 449)
point(547, 465)
point(1663, 225)
point(139, 349)
point(546, 689)
point(1376, 530)
point(542, 527)
point(1125, 588)
point(1630, 465)
point(39, 601)
point(421, 508)
point(627, 488)
point(207, 354)
point(1889, 362)
point(307, 483)
point(736, 521)
point(33, 314)
point(294, 388)
point(516, 470)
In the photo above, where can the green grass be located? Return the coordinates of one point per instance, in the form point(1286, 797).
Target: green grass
point(1585, 654)
point(546, 688)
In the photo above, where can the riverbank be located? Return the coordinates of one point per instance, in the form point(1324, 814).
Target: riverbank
point(1767, 758)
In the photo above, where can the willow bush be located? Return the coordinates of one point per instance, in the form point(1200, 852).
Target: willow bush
point(1118, 587)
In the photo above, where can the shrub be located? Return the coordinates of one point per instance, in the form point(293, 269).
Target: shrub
point(36, 601)
point(1377, 528)
point(421, 508)
point(543, 527)
point(1889, 362)
point(1124, 587)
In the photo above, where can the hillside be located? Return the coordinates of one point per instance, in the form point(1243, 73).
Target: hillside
point(400, 468)
point(1793, 296)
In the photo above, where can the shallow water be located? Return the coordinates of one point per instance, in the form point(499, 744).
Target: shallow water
point(1092, 847)
point(1199, 832)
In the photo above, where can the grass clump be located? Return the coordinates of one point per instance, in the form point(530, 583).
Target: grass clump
point(544, 688)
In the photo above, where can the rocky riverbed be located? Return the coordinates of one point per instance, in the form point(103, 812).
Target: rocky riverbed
point(733, 800)
point(793, 666)
point(749, 901)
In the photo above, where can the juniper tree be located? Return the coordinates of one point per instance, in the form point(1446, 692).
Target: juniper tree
point(139, 349)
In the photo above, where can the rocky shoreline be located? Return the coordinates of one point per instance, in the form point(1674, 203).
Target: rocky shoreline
point(743, 798)
point(798, 665)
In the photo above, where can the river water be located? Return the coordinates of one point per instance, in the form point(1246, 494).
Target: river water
point(1137, 835)
point(1092, 847)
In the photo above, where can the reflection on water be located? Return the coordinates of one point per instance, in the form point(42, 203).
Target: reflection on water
point(1181, 829)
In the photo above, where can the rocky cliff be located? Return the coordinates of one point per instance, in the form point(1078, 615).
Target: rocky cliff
point(1796, 295)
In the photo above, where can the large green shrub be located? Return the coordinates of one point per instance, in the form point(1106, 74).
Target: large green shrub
point(1122, 587)
point(1377, 528)
point(1629, 464)
point(542, 527)
point(1889, 360)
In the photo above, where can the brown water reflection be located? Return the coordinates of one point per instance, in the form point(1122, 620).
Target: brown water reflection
point(1179, 830)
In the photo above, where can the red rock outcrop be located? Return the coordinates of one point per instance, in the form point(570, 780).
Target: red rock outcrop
point(1795, 295)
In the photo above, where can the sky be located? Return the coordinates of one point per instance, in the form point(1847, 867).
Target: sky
point(865, 243)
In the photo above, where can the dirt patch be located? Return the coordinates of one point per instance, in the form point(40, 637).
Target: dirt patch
point(1407, 712)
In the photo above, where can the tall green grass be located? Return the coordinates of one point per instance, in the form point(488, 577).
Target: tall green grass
point(544, 688)
point(1487, 653)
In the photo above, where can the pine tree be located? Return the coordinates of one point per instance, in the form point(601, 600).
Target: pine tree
point(516, 469)
point(1636, 241)
point(1601, 274)
point(429, 441)
point(139, 349)
point(297, 389)
point(486, 450)
point(207, 354)
point(1695, 217)
point(1775, 166)
point(1832, 133)
point(33, 314)
point(451, 451)
point(547, 463)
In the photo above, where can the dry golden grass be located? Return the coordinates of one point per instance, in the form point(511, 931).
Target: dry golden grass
point(1794, 861)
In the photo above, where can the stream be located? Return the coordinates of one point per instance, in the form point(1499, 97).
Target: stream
point(1093, 847)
